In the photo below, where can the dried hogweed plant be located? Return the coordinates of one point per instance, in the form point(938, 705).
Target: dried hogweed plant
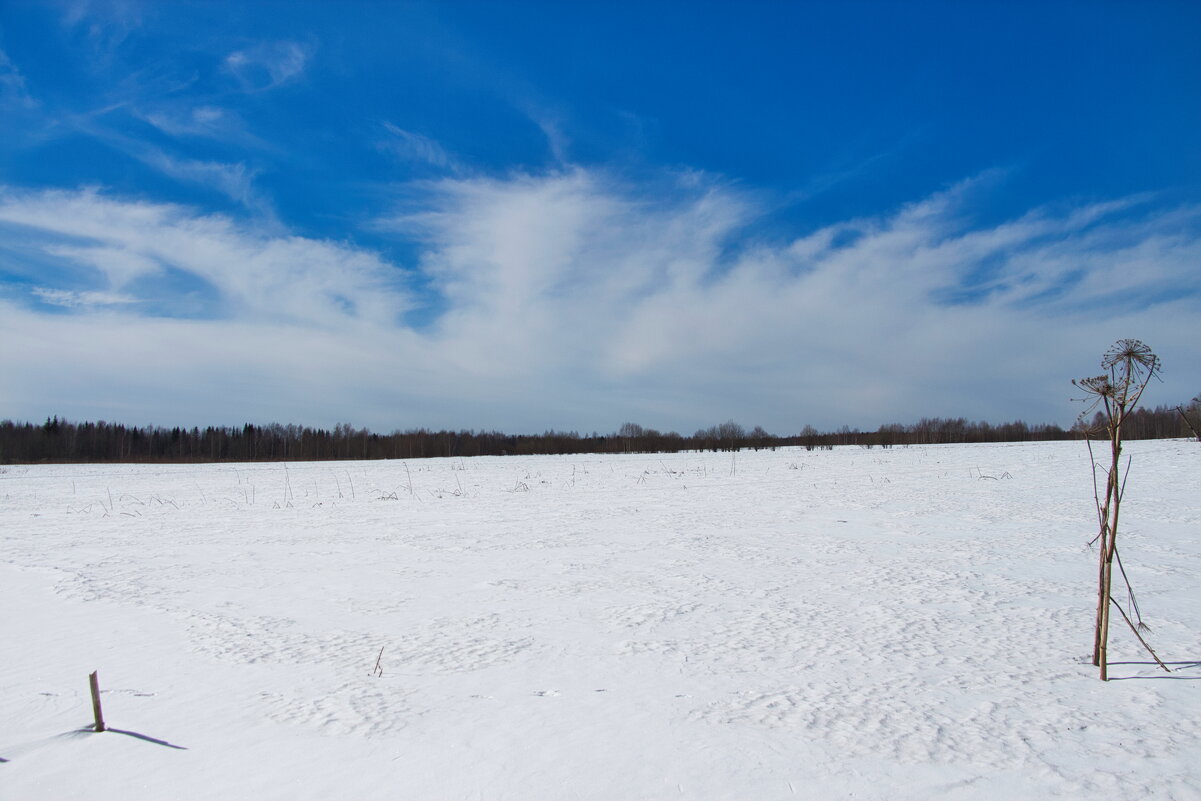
point(1111, 397)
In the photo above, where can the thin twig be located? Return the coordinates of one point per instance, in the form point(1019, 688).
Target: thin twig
point(1129, 589)
point(1096, 496)
point(1150, 650)
point(1188, 423)
point(1126, 475)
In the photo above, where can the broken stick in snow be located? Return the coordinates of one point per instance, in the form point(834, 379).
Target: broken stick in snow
point(378, 671)
point(95, 684)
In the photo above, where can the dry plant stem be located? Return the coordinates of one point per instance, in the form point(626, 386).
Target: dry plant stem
point(1134, 628)
point(1189, 423)
point(1102, 514)
point(1113, 502)
point(1130, 365)
point(1092, 460)
point(1117, 556)
point(1103, 568)
point(1103, 634)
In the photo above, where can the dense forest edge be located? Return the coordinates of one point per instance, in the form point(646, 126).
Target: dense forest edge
point(63, 441)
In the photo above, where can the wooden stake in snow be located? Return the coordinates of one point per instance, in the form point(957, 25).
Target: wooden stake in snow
point(95, 683)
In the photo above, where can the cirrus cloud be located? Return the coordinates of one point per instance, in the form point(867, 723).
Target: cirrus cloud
point(254, 272)
point(572, 299)
point(267, 65)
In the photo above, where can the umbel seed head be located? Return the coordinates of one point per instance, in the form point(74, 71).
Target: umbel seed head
point(1098, 385)
point(1132, 352)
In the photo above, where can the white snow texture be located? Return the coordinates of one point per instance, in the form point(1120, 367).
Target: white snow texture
point(909, 623)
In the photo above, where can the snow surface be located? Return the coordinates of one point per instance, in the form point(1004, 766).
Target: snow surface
point(911, 623)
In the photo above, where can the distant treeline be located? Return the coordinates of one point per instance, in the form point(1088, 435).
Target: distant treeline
point(62, 441)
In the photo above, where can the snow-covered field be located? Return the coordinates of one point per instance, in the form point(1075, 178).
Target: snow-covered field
point(911, 623)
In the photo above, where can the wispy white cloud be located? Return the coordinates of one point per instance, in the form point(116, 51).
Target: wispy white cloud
point(571, 299)
point(256, 274)
point(556, 139)
point(72, 299)
point(410, 146)
point(267, 65)
point(107, 23)
point(235, 181)
point(13, 91)
point(661, 295)
point(205, 120)
point(119, 266)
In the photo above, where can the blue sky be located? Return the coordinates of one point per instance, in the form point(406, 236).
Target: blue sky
point(569, 215)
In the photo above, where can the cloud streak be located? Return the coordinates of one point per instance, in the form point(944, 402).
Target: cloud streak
point(203, 121)
point(13, 91)
point(254, 273)
point(415, 147)
point(71, 299)
point(268, 65)
point(235, 181)
point(574, 300)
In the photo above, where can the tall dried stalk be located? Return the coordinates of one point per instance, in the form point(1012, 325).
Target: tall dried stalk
point(1130, 365)
point(1194, 407)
